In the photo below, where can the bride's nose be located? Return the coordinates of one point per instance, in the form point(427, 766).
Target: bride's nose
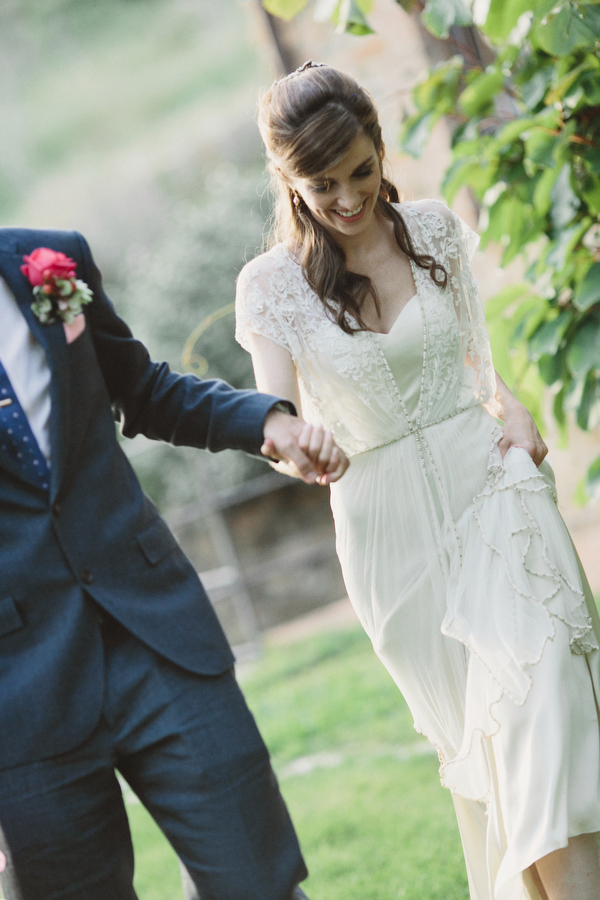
point(348, 198)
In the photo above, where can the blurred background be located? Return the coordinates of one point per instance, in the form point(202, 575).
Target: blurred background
point(133, 121)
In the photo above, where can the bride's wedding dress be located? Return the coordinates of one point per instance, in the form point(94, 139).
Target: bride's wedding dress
point(457, 562)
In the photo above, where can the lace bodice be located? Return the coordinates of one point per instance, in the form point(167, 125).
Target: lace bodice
point(345, 382)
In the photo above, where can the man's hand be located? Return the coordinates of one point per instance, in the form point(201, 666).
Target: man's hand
point(305, 451)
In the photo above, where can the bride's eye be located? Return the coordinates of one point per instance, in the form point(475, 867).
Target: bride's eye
point(363, 173)
point(322, 187)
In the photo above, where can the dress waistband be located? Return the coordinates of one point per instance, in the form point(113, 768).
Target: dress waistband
point(416, 429)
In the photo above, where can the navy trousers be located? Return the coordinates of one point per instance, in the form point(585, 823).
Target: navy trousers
point(190, 749)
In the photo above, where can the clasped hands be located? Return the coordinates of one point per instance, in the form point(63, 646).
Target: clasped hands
point(302, 450)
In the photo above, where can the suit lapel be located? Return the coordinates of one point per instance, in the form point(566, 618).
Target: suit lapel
point(52, 339)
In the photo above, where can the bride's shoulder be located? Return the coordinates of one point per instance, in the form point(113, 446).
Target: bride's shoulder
point(266, 264)
point(420, 208)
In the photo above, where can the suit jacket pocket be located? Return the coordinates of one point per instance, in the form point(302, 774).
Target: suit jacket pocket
point(156, 541)
point(10, 617)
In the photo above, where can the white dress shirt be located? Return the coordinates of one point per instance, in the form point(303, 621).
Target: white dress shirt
point(24, 360)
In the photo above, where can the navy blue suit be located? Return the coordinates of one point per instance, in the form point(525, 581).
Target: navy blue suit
point(94, 548)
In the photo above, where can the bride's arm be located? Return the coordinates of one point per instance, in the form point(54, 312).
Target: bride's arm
point(275, 373)
point(519, 428)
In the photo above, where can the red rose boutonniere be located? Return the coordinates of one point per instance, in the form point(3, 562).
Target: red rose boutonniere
point(58, 293)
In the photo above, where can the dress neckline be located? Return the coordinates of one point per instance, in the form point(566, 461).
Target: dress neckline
point(396, 320)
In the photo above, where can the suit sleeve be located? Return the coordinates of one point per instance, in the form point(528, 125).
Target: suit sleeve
point(148, 398)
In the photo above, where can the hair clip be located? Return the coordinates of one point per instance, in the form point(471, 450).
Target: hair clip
point(309, 64)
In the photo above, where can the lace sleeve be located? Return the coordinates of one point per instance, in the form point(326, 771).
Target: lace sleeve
point(471, 315)
point(256, 307)
point(443, 235)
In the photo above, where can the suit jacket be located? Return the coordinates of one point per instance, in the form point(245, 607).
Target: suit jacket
point(95, 536)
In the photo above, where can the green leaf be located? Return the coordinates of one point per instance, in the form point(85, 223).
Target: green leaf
point(559, 249)
point(592, 479)
point(588, 413)
point(543, 190)
point(540, 146)
point(505, 216)
point(440, 88)
point(352, 19)
point(473, 172)
point(569, 28)
point(583, 352)
point(505, 298)
point(590, 191)
point(591, 88)
point(558, 409)
point(284, 9)
point(513, 130)
point(546, 339)
point(534, 90)
point(477, 97)
point(591, 157)
point(502, 17)
point(440, 15)
point(551, 368)
point(588, 292)
point(565, 83)
point(565, 202)
point(416, 132)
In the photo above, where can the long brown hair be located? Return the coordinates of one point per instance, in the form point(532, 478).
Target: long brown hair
point(307, 121)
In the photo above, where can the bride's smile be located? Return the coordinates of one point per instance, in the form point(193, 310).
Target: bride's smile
point(343, 198)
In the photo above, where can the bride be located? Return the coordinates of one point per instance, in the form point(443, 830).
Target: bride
point(365, 314)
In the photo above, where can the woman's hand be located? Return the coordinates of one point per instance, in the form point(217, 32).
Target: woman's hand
point(303, 450)
point(519, 428)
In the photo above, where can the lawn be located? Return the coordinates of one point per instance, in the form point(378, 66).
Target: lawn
point(362, 786)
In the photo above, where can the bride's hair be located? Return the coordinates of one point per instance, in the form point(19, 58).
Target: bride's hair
point(307, 121)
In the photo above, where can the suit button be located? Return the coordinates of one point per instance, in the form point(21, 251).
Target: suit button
point(86, 576)
point(56, 509)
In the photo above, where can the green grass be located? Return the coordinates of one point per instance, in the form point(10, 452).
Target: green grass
point(156, 867)
point(362, 786)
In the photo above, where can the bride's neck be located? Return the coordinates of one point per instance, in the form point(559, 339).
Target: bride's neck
point(369, 244)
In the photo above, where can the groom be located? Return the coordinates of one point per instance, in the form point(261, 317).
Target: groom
point(111, 656)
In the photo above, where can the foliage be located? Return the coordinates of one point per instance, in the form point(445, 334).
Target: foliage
point(345, 15)
point(526, 141)
point(187, 278)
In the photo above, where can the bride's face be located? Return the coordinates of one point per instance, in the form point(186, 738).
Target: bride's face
point(343, 197)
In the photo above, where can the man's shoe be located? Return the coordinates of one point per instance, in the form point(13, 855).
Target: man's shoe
point(299, 894)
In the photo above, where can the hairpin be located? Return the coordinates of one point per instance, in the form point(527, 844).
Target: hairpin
point(309, 64)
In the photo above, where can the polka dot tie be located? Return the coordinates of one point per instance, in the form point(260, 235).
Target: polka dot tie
point(17, 438)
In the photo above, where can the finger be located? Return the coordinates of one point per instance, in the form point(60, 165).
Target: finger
point(328, 457)
point(316, 442)
point(268, 449)
point(305, 436)
point(304, 465)
point(335, 474)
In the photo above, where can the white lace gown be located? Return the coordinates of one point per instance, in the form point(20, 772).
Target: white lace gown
point(458, 564)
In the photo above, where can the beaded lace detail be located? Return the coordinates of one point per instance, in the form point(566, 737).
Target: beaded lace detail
point(275, 300)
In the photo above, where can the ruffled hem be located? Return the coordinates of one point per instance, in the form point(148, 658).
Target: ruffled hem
point(507, 556)
point(515, 582)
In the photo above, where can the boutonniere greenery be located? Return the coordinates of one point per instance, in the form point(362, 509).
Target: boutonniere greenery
point(58, 293)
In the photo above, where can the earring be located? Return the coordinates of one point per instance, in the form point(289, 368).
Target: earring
point(295, 199)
